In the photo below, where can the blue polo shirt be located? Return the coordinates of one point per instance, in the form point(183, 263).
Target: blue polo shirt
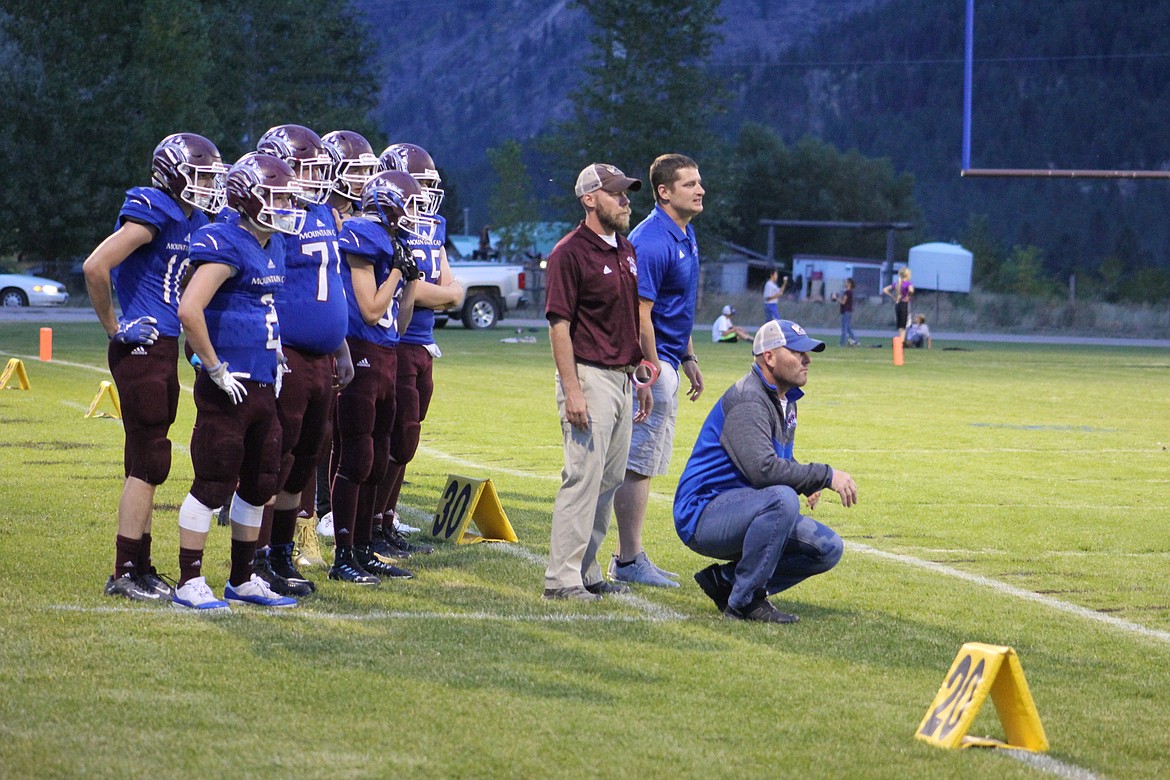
point(668, 274)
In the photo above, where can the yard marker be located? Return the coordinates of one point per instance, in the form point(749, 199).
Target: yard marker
point(465, 500)
point(46, 344)
point(15, 366)
point(978, 670)
point(106, 388)
point(897, 343)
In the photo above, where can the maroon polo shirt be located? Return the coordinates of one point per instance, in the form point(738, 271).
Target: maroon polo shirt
point(595, 287)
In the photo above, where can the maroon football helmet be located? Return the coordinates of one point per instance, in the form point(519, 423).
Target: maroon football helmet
point(395, 199)
point(417, 162)
point(353, 162)
point(302, 149)
point(189, 167)
point(264, 189)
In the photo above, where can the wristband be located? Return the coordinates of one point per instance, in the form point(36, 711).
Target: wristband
point(688, 358)
point(650, 371)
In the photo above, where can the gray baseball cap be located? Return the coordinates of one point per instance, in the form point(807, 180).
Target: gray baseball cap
point(602, 176)
point(784, 333)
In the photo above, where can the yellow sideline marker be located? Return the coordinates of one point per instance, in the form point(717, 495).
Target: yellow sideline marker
point(15, 366)
point(466, 499)
point(105, 389)
point(978, 670)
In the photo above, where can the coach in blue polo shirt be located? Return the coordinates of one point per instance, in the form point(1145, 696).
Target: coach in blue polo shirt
point(668, 282)
point(738, 498)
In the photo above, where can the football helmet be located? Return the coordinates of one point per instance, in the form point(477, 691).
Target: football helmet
point(189, 167)
point(396, 200)
point(353, 162)
point(302, 149)
point(264, 189)
point(414, 160)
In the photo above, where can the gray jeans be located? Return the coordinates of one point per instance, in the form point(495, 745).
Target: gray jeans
point(771, 546)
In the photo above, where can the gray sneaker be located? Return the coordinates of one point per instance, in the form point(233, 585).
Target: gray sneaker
point(640, 570)
point(605, 588)
point(575, 592)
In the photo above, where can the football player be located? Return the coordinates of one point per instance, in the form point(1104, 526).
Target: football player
point(313, 323)
point(354, 162)
point(143, 260)
point(228, 312)
point(379, 275)
point(436, 289)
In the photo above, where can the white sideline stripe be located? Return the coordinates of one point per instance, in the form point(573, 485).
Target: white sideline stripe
point(433, 453)
point(54, 362)
point(1011, 590)
point(653, 611)
point(1050, 765)
point(309, 614)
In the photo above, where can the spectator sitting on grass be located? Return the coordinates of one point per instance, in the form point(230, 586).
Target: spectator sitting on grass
point(724, 331)
point(918, 335)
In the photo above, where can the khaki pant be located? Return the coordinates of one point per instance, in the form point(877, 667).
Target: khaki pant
point(595, 464)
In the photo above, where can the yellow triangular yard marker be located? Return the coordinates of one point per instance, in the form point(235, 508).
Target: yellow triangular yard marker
point(105, 389)
point(466, 499)
point(978, 670)
point(15, 366)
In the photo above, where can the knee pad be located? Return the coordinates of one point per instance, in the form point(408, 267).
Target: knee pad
point(211, 493)
point(246, 514)
point(194, 515)
point(403, 447)
point(357, 459)
point(148, 456)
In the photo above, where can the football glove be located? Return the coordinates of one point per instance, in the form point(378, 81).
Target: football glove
point(228, 382)
point(405, 263)
point(281, 369)
point(138, 331)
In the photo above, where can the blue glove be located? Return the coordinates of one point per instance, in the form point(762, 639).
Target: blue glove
point(139, 331)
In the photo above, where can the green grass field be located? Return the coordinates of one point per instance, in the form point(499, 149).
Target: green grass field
point(1013, 495)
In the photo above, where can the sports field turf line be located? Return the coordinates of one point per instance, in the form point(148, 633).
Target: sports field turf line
point(1011, 590)
point(1001, 587)
point(68, 364)
point(654, 611)
point(308, 613)
point(1048, 764)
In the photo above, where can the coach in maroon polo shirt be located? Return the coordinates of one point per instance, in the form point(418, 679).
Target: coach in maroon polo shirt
point(597, 340)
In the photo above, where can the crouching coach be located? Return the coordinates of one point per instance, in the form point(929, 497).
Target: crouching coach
point(738, 499)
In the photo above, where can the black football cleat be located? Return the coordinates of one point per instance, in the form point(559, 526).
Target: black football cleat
point(346, 568)
point(365, 556)
point(128, 587)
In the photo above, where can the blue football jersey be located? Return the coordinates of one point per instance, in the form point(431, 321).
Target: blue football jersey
point(311, 304)
point(428, 255)
point(147, 282)
point(369, 241)
point(241, 316)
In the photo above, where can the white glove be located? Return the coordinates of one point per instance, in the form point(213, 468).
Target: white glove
point(281, 369)
point(228, 382)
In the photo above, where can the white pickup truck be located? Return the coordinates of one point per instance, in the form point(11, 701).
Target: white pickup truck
point(490, 290)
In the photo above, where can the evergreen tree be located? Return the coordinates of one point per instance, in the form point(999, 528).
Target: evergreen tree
point(513, 207)
point(646, 92)
point(86, 96)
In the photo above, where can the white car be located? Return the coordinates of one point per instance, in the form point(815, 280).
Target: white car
point(25, 290)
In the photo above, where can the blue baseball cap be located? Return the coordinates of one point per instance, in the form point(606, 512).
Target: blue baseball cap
point(784, 333)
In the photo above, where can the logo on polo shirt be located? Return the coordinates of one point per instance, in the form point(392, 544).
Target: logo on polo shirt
point(633, 265)
point(608, 270)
